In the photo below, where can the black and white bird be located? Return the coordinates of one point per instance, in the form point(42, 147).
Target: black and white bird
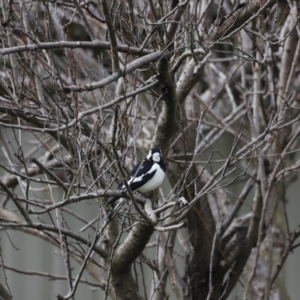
point(145, 176)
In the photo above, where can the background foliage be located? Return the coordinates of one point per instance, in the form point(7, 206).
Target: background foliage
point(86, 88)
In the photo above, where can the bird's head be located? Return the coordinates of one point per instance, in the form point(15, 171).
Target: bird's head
point(154, 155)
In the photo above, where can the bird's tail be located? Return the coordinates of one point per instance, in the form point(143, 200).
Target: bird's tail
point(114, 203)
point(112, 200)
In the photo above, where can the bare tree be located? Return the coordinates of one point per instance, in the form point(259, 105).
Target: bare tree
point(88, 87)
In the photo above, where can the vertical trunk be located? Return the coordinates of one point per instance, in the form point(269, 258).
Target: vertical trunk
point(125, 286)
point(200, 261)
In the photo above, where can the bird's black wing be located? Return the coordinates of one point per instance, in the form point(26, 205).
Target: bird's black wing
point(111, 201)
point(132, 173)
point(142, 175)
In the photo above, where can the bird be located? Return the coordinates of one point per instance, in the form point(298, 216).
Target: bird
point(145, 176)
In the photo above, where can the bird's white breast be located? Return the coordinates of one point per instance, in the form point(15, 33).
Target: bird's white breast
point(155, 181)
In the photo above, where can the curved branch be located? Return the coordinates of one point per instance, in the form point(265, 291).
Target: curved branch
point(124, 71)
point(232, 24)
point(72, 45)
point(133, 246)
point(166, 126)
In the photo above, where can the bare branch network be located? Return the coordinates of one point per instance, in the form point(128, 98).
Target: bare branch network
point(87, 88)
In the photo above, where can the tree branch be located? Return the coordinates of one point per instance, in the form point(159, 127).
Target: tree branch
point(73, 45)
